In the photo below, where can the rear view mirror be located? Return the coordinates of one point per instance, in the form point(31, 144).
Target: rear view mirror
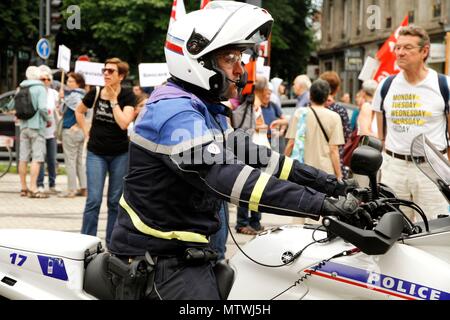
point(372, 142)
point(366, 161)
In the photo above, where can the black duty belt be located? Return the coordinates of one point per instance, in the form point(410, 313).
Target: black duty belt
point(408, 157)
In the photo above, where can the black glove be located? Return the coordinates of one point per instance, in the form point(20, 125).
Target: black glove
point(351, 184)
point(344, 187)
point(343, 207)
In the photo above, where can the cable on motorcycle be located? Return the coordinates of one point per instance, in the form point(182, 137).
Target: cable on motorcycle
point(316, 268)
point(294, 258)
point(416, 208)
point(408, 204)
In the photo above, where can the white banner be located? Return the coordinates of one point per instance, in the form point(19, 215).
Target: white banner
point(92, 72)
point(153, 74)
point(64, 58)
point(369, 69)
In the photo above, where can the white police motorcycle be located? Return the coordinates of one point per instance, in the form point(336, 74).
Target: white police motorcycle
point(377, 253)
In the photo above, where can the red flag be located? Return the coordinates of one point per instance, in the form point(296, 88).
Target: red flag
point(203, 3)
point(178, 10)
point(386, 56)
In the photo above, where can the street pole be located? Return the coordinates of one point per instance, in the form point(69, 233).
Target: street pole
point(41, 18)
point(47, 18)
point(41, 23)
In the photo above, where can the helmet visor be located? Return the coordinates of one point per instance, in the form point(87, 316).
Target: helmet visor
point(261, 34)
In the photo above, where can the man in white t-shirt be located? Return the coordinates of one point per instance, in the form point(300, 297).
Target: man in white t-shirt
point(413, 105)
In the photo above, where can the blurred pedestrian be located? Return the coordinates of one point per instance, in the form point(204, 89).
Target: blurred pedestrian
point(32, 133)
point(346, 99)
point(73, 137)
point(275, 96)
point(322, 134)
point(108, 143)
point(315, 134)
point(218, 240)
point(140, 104)
point(367, 122)
point(137, 90)
point(282, 91)
point(250, 224)
point(335, 82)
point(274, 119)
point(301, 90)
point(49, 132)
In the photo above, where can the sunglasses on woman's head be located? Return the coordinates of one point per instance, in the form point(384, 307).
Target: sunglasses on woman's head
point(108, 70)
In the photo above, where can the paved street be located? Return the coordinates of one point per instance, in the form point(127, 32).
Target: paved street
point(66, 214)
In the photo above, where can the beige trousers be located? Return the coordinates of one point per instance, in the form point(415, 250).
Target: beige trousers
point(409, 183)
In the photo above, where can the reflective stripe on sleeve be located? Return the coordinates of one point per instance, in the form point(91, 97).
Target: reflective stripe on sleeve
point(171, 150)
point(258, 190)
point(169, 235)
point(273, 163)
point(239, 184)
point(287, 167)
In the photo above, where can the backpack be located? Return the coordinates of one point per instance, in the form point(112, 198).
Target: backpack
point(23, 104)
point(443, 87)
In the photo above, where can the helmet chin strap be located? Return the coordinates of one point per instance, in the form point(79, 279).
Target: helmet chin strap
point(221, 82)
point(241, 82)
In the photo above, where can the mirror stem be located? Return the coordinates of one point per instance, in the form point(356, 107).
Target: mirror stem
point(374, 186)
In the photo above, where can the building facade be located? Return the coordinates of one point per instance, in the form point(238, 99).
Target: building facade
point(355, 29)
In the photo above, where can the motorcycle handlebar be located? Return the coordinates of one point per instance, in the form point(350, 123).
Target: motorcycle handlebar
point(372, 210)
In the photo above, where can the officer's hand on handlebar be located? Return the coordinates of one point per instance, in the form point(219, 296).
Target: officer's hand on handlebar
point(345, 186)
point(343, 207)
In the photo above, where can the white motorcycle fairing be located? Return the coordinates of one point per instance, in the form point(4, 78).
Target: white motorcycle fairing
point(44, 265)
point(415, 269)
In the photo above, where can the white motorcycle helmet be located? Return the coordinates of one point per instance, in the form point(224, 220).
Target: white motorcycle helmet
point(193, 38)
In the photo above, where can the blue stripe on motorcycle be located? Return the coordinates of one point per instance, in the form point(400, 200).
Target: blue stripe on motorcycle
point(379, 282)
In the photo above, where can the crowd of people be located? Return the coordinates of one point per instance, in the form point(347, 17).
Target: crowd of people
point(153, 195)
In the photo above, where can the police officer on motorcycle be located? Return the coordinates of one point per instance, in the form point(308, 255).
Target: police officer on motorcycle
point(183, 159)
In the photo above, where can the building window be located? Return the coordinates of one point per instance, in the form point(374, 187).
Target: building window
point(437, 9)
point(389, 23)
point(328, 66)
point(411, 17)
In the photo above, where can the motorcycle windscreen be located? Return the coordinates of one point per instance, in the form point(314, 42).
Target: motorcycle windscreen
point(436, 167)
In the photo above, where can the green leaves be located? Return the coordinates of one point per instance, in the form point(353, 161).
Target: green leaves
point(124, 28)
point(291, 38)
point(135, 30)
point(20, 23)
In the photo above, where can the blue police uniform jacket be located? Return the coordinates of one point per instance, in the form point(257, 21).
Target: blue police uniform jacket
point(183, 158)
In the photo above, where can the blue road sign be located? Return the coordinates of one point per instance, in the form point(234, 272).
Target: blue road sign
point(43, 48)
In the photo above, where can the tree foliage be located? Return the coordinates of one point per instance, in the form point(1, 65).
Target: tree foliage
point(291, 38)
point(20, 22)
point(135, 30)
